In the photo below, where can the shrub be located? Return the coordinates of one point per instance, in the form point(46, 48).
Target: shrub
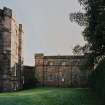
point(97, 79)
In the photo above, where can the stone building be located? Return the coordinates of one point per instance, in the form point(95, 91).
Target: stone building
point(10, 51)
point(60, 70)
point(29, 76)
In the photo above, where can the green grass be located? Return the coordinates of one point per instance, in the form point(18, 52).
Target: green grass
point(50, 96)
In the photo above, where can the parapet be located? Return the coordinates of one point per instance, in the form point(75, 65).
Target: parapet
point(7, 12)
point(39, 55)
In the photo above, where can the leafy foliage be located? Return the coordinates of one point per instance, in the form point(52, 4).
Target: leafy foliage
point(85, 50)
point(97, 80)
point(81, 50)
point(77, 50)
point(94, 21)
point(78, 18)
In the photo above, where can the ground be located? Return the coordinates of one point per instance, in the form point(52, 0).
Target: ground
point(50, 96)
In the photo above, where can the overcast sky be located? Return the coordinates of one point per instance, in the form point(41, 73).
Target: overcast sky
point(46, 24)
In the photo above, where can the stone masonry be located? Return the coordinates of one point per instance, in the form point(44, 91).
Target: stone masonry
point(10, 52)
point(29, 76)
point(60, 70)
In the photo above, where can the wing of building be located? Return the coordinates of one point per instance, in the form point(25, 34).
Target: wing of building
point(60, 70)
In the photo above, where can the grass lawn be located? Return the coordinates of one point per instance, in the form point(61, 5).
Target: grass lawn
point(50, 96)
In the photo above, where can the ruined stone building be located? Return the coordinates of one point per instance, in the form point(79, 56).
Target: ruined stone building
point(60, 70)
point(10, 51)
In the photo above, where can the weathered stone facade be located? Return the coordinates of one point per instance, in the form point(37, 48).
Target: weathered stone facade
point(10, 52)
point(60, 70)
point(29, 77)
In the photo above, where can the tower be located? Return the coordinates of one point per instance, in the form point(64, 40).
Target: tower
point(10, 51)
point(39, 71)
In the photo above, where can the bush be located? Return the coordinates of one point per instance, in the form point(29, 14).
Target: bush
point(97, 80)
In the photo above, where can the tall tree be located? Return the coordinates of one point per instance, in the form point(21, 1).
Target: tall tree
point(94, 21)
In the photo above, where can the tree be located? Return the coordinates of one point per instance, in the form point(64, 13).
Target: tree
point(77, 50)
point(81, 50)
point(94, 21)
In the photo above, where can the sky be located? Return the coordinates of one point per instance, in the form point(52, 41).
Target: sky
point(46, 25)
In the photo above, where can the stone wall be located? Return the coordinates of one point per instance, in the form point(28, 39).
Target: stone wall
point(29, 77)
point(60, 70)
point(10, 54)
